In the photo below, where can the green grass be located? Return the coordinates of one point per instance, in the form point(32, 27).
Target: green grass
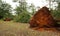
point(10, 28)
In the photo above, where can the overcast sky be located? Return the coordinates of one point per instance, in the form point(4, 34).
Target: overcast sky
point(40, 3)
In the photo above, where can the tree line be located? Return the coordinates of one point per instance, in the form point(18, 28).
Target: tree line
point(23, 12)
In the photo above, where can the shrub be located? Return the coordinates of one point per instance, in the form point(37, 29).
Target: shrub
point(23, 18)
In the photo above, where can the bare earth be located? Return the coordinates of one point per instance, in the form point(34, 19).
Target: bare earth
point(22, 29)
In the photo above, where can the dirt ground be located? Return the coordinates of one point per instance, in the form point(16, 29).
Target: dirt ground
point(22, 29)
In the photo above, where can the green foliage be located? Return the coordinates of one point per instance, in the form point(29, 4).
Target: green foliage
point(56, 12)
point(22, 14)
point(5, 9)
point(22, 11)
point(23, 18)
point(15, 0)
point(22, 7)
point(58, 7)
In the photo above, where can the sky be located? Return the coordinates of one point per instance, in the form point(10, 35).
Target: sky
point(39, 3)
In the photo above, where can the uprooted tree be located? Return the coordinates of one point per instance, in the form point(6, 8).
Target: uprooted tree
point(43, 19)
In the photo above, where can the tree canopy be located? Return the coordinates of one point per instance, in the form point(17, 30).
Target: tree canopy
point(5, 9)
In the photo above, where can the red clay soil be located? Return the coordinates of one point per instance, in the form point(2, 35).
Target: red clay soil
point(43, 20)
point(7, 19)
point(45, 29)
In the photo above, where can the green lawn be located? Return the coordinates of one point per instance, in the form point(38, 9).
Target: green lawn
point(22, 29)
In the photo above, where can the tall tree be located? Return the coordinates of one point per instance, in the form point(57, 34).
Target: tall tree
point(22, 7)
point(22, 11)
point(56, 12)
point(5, 9)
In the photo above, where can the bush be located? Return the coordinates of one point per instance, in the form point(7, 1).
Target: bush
point(56, 14)
point(23, 18)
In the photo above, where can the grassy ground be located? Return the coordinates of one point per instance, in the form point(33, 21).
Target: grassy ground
point(22, 29)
